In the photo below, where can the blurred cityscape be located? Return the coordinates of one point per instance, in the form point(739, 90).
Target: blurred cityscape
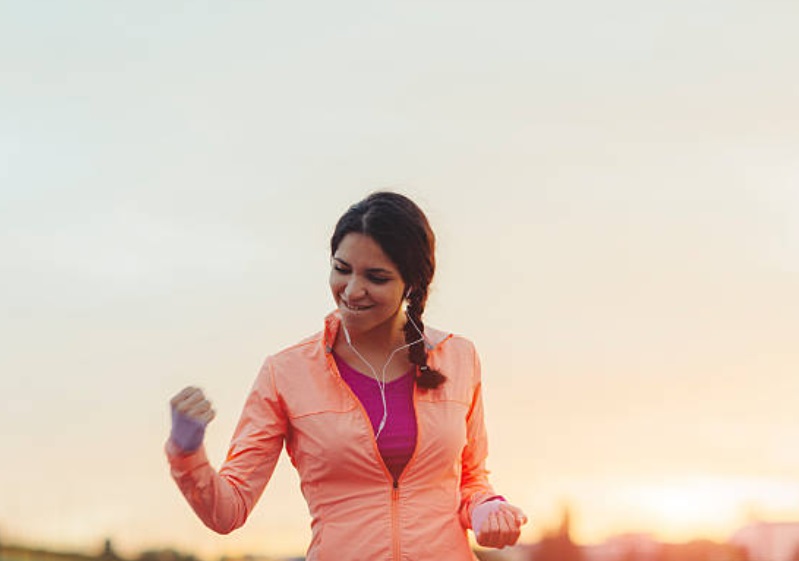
point(757, 541)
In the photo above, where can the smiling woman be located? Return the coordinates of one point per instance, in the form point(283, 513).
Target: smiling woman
point(367, 287)
point(390, 446)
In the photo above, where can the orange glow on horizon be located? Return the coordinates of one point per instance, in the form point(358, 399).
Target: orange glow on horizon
point(673, 509)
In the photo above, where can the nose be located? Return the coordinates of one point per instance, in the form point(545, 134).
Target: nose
point(356, 288)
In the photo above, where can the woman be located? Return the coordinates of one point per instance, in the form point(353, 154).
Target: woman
point(381, 415)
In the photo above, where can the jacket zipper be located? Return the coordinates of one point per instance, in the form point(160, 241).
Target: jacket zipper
point(395, 539)
point(395, 484)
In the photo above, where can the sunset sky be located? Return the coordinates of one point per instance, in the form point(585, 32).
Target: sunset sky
point(615, 190)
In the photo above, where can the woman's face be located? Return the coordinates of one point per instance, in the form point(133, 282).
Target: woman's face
point(366, 284)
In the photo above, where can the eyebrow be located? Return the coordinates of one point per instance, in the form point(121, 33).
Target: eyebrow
point(370, 270)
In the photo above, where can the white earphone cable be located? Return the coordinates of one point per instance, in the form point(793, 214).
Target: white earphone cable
point(381, 381)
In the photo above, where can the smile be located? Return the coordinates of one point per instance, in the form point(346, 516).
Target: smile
point(353, 307)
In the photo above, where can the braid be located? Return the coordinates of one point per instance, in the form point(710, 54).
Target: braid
point(417, 353)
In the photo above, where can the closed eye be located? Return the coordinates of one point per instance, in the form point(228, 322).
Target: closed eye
point(375, 275)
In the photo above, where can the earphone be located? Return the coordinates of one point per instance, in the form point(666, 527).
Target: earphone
point(381, 381)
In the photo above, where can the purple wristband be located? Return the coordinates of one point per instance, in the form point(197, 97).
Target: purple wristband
point(494, 498)
point(187, 433)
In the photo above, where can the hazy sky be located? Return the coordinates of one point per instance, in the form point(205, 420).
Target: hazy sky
point(614, 186)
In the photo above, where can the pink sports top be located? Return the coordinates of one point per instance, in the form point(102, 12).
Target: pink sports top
point(398, 439)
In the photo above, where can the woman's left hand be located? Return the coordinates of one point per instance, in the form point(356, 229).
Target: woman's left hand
point(497, 523)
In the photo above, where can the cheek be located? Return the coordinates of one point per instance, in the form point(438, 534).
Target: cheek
point(336, 286)
point(392, 297)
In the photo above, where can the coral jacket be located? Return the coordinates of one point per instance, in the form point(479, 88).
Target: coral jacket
point(359, 512)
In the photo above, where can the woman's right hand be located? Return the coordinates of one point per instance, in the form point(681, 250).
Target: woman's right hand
point(191, 412)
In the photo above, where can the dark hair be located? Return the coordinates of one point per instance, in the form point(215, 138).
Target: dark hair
point(401, 230)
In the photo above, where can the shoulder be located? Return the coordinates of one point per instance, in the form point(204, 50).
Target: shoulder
point(455, 356)
point(295, 364)
point(302, 380)
point(302, 354)
point(447, 343)
point(300, 348)
point(304, 360)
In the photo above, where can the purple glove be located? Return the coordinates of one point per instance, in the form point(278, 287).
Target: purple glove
point(191, 412)
point(187, 433)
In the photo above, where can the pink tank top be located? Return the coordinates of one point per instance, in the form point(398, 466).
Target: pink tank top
point(398, 439)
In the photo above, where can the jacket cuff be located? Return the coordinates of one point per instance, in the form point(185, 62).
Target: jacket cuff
point(183, 462)
point(492, 498)
point(468, 506)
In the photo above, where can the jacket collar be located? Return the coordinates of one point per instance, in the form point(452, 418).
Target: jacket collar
point(332, 325)
point(433, 338)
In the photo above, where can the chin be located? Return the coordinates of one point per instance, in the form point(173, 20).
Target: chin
point(362, 322)
point(354, 318)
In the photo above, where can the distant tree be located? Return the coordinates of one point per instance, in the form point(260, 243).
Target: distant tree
point(703, 550)
point(108, 551)
point(165, 555)
point(558, 545)
point(630, 554)
point(486, 555)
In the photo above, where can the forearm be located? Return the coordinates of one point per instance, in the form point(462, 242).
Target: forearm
point(473, 494)
point(474, 485)
point(216, 499)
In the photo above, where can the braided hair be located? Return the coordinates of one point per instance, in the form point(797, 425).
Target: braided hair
point(402, 231)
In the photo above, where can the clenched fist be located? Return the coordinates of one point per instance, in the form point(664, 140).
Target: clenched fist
point(191, 412)
point(497, 523)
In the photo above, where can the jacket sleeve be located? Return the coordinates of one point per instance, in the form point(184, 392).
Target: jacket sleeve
point(475, 487)
point(224, 499)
